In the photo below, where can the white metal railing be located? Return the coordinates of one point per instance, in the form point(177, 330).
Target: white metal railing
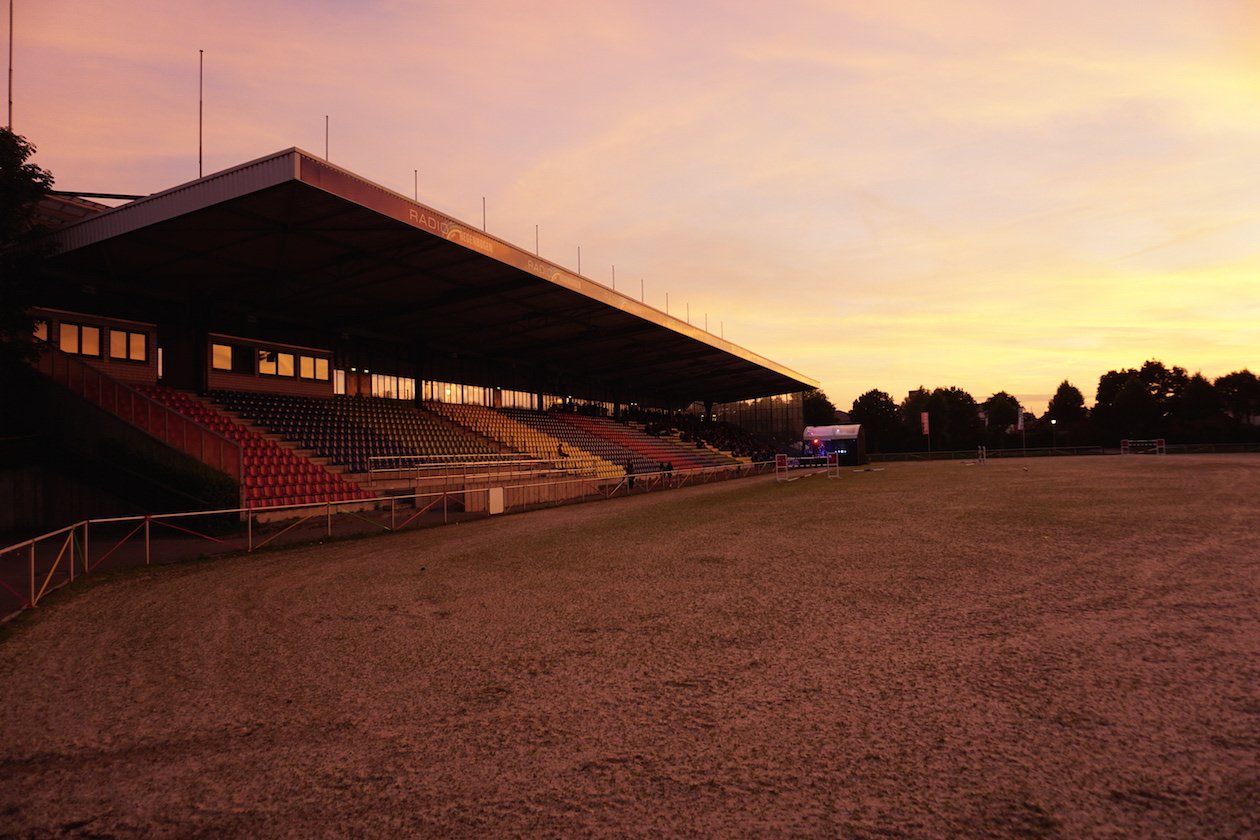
point(33, 568)
point(417, 467)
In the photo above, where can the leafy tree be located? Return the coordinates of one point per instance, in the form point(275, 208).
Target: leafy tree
point(1165, 384)
point(1197, 414)
point(912, 407)
point(879, 417)
point(1137, 412)
point(22, 185)
point(1001, 412)
point(1067, 405)
point(1067, 408)
point(1240, 397)
point(817, 409)
point(955, 419)
point(1106, 422)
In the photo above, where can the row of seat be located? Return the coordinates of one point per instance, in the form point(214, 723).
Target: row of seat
point(363, 433)
point(659, 449)
point(521, 437)
point(272, 474)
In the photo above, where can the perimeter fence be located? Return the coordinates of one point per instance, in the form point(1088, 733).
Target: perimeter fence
point(32, 569)
point(1056, 451)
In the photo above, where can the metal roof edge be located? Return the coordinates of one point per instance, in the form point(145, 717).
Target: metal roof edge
point(473, 238)
point(188, 197)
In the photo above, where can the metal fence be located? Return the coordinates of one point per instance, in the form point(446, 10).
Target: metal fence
point(33, 568)
point(158, 420)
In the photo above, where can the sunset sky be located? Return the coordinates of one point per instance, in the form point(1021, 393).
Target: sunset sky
point(990, 194)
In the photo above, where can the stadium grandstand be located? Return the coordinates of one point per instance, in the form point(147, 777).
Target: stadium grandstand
point(285, 332)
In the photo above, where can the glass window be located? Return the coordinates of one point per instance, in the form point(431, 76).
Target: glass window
point(267, 362)
point(306, 367)
point(321, 370)
point(284, 364)
point(406, 388)
point(69, 342)
point(221, 356)
point(339, 381)
point(41, 330)
point(125, 344)
point(90, 341)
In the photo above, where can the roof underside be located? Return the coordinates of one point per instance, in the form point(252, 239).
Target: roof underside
point(292, 238)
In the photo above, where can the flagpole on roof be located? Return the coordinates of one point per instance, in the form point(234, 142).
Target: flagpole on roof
point(201, 76)
point(10, 122)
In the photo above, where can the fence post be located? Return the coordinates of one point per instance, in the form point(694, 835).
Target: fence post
point(392, 525)
point(32, 600)
point(85, 547)
point(147, 519)
point(249, 529)
point(444, 506)
point(328, 516)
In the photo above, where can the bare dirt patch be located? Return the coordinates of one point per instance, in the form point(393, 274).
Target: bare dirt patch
point(1067, 650)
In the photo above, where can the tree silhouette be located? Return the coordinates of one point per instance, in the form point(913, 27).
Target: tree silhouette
point(1001, 412)
point(22, 185)
point(817, 409)
point(880, 419)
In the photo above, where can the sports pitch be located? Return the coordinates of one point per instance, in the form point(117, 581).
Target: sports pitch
point(1045, 648)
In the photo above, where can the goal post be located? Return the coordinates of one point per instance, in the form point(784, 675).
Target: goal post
point(1154, 446)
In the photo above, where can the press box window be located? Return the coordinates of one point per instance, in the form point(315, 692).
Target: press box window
point(310, 367)
point(232, 357)
point(125, 344)
point(273, 363)
point(80, 340)
point(40, 332)
point(221, 356)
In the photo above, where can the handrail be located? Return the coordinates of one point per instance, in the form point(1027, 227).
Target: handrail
point(142, 411)
point(80, 557)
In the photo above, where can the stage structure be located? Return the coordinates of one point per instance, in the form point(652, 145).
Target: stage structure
point(845, 443)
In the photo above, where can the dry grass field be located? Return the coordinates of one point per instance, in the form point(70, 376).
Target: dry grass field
point(1052, 648)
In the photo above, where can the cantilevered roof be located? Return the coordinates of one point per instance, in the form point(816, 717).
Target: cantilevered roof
point(299, 240)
